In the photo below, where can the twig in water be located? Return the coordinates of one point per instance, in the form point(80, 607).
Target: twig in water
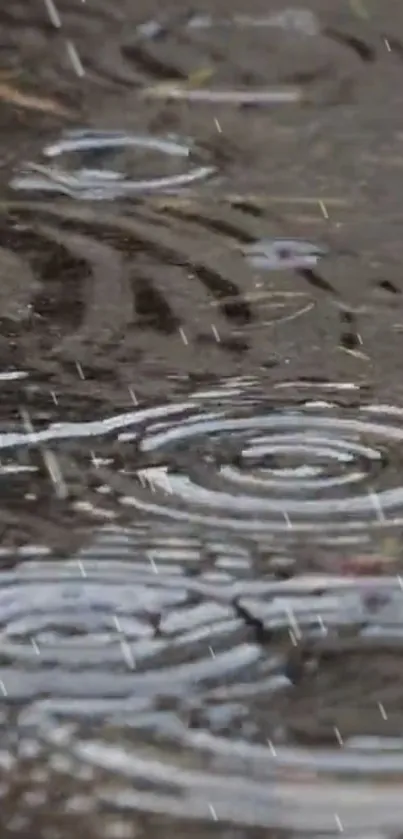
point(13, 96)
point(173, 90)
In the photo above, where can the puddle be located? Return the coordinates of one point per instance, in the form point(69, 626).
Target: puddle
point(148, 688)
point(201, 427)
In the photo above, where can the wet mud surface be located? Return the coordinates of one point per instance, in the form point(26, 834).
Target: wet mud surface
point(201, 419)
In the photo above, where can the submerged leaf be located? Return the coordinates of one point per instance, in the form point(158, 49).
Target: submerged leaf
point(200, 77)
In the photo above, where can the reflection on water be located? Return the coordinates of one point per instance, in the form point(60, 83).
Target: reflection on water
point(201, 517)
point(193, 669)
point(143, 685)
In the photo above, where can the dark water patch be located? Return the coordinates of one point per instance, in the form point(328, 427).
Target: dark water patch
point(227, 228)
point(173, 265)
point(317, 281)
point(153, 308)
point(248, 207)
point(350, 337)
point(364, 51)
point(106, 267)
point(389, 286)
point(151, 65)
point(237, 309)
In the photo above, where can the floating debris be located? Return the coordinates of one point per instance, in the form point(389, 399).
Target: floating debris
point(200, 77)
point(263, 96)
point(303, 21)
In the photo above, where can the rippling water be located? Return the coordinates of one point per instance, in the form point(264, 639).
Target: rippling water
point(104, 184)
point(261, 469)
point(201, 573)
point(186, 662)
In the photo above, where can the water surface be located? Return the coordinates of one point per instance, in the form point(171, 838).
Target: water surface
point(201, 419)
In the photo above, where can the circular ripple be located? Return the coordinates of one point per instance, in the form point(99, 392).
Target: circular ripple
point(311, 470)
point(94, 181)
point(215, 734)
point(122, 624)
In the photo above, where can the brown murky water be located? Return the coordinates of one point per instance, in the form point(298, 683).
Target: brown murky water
point(201, 318)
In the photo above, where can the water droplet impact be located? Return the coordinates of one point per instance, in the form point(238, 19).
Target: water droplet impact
point(252, 468)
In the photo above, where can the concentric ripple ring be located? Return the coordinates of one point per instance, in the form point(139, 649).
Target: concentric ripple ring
point(306, 470)
point(96, 184)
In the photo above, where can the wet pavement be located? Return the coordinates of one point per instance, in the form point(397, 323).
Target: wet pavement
point(201, 332)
